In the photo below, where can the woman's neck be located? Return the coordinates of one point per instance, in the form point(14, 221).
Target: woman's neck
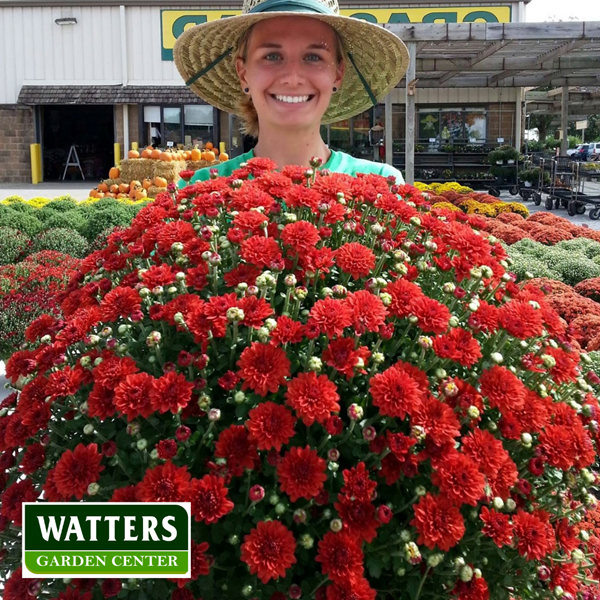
point(291, 149)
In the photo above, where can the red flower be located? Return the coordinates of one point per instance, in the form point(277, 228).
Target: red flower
point(504, 478)
point(458, 345)
point(33, 459)
point(566, 368)
point(17, 588)
point(535, 537)
point(459, 479)
point(209, 499)
point(165, 483)
point(497, 526)
point(343, 357)
point(112, 370)
point(358, 516)
point(348, 589)
point(270, 425)
point(438, 420)
point(269, 550)
point(128, 493)
point(101, 402)
point(76, 469)
point(166, 449)
point(485, 450)
point(556, 445)
point(13, 498)
point(287, 331)
point(520, 319)
point(120, 302)
point(241, 274)
point(263, 368)
point(171, 392)
point(65, 382)
point(356, 259)
point(133, 396)
point(111, 587)
point(301, 473)
point(313, 397)
point(395, 393)
point(476, 589)
point(256, 310)
point(234, 445)
point(200, 564)
point(341, 557)
point(368, 311)
point(438, 522)
point(357, 483)
point(332, 316)
point(564, 575)
point(260, 250)
point(433, 316)
point(503, 389)
point(301, 236)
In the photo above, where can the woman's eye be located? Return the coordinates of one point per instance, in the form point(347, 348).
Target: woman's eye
point(314, 57)
point(272, 56)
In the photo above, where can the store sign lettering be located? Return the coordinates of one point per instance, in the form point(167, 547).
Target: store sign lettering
point(175, 22)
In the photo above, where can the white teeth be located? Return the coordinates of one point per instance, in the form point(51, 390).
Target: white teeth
point(292, 99)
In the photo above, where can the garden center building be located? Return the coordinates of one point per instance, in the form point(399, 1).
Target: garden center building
point(98, 72)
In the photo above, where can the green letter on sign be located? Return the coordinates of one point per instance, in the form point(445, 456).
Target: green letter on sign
point(399, 18)
point(445, 17)
point(484, 15)
point(365, 17)
point(179, 24)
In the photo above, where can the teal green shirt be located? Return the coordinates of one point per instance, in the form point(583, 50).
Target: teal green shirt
point(339, 162)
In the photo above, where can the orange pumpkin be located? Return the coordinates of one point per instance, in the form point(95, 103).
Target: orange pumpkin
point(121, 196)
point(210, 156)
point(99, 194)
point(155, 154)
point(109, 195)
point(135, 183)
point(209, 145)
point(133, 154)
point(160, 182)
point(223, 156)
point(114, 188)
point(146, 183)
point(103, 187)
point(93, 193)
point(196, 154)
point(114, 173)
point(187, 155)
point(216, 151)
point(166, 156)
point(140, 194)
point(124, 188)
point(147, 153)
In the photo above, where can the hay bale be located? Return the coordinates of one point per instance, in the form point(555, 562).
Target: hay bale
point(110, 182)
point(169, 170)
point(195, 165)
point(137, 169)
point(153, 191)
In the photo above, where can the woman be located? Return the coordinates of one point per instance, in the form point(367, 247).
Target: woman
point(287, 66)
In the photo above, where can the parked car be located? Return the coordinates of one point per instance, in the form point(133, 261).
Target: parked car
point(572, 151)
point(581, 152)
point(593, 152)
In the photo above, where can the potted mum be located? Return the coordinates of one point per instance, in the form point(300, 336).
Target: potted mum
point(349, 388)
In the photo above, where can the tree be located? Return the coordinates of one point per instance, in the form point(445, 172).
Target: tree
point(542, 123)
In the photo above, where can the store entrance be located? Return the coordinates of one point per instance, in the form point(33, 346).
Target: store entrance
point(89, 128)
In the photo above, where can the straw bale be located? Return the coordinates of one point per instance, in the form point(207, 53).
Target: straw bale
point(153, 191)
point(110, 182)
point(137, 169)
point(194, 165)
point(169, 170)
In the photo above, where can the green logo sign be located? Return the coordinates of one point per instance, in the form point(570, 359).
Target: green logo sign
point(98, 539)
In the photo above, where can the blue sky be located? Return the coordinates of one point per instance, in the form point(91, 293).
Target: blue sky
point(561, 10)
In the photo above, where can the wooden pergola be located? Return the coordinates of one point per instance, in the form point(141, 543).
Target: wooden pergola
point(498, 55)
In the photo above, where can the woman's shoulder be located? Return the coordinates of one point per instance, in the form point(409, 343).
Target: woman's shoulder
point(223, 170)
point(345, 163)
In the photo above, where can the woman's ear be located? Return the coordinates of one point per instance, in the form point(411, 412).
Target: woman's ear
point(240, 67)
point(339, 74)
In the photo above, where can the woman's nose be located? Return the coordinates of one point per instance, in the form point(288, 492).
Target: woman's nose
point(293, 74)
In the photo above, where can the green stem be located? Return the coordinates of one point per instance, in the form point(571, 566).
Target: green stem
point(422, 583)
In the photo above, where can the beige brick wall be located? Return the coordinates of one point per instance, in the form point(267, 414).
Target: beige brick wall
point(134, 134)
point(16, 134)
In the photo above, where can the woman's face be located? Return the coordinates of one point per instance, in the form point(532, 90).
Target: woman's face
point(291, 69)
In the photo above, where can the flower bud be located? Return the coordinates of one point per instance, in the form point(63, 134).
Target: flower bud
point(466, 573)
point(369, 433)
point(247, 590)
point(435, 559)
point(214, 414)
point(333, 455)
point(420, 490)
point(497, 358)
point(385, 298)
point(548, 361)
point(441, 374)
point(336, 525)
point(306, 541)
point(239, 397)
point(280, 508)
point(142, 444)
point(473, 412)
point(93, 489)
point(425, 342)
point(315, 364)
point(235, 314)
point(418, 432)
point(257, 492)
point(412, 553)
point(510, 504)
point(355, 412)
point(526, 439)
point(133, 428)
point(88, 429)
point(153, 339)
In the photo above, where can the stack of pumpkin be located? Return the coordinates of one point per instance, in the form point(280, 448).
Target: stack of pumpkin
point(145, 174)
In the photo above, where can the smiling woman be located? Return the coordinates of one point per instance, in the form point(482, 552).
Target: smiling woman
point(285, 67)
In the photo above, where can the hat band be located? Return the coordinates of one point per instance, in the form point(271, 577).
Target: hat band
point(292, 6)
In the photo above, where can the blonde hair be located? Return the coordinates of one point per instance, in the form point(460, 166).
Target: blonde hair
point(245, 109)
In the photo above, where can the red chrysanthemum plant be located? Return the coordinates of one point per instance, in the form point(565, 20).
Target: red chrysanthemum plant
point(350, 389)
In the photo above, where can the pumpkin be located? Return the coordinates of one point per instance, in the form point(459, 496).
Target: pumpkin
point(133, 154)
point(114, 173)
point(99, 194)
point(124, 188)
point(147, 153)
point(210, 156)
point(109, 195)
point(223, 156)
point(166, 156)
point(216, 151)
point(146, 183)
point(114, 188)
point(93, 193)
point(160, 182)
point(103, 187)
point(196, 154)
point(134, 183)
point(121, 196)
point(187, 155)
point(140, 194)
point(209, 145)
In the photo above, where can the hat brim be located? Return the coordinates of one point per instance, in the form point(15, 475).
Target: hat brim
point(379, 55)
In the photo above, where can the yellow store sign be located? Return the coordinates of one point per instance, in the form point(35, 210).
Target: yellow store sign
point(175, 22)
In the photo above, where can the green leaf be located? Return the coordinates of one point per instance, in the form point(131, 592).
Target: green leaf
point(374, 566)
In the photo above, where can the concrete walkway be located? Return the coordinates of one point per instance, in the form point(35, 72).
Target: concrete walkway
point(78, 189)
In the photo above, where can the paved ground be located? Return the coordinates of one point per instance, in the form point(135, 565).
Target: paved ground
point(79, 191)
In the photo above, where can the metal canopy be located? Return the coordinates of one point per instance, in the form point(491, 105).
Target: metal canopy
point(457, 55)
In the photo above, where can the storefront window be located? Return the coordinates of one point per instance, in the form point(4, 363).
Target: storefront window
point(172, 121)
point(475, 125)
point(451, 125)
point(198, 124)
point(429, 125)
point(152, 124)
point(339, 136)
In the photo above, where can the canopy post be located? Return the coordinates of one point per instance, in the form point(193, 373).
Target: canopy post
point(389, 137)
point(409, 175)
point(564, 121)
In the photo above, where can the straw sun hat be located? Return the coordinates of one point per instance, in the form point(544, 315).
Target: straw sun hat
point(376, 59)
